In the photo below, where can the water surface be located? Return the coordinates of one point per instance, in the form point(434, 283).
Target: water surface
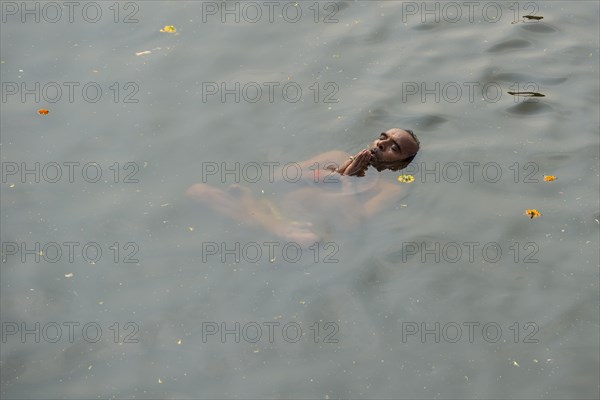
point(375, 54)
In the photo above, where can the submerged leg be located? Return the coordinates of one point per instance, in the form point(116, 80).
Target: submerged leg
point(217, 200)
point(239, 204)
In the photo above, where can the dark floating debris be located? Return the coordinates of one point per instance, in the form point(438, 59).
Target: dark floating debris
point(530, 18)
point(527, 94)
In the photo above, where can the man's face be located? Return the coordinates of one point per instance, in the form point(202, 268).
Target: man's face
point(392, 147)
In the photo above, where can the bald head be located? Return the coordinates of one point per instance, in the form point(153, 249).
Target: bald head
point(394, 149)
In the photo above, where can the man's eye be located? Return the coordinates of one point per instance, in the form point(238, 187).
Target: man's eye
point(395, 148)
point(382, 136)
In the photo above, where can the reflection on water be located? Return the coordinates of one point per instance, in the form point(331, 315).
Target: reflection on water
point(509, 45)
point(529, 108)
point(382, 285)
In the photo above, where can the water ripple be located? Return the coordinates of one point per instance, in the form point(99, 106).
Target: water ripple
point(509, 45)
point(529, 108)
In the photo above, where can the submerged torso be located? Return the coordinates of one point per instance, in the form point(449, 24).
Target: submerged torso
point(327, 200)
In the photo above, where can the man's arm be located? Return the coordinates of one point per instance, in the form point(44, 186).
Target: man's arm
point(328, 161)
point(388, 193)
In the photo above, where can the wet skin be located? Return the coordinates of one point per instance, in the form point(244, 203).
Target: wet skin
point(389, 151)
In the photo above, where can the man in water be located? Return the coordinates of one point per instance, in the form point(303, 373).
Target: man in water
point(331, 189)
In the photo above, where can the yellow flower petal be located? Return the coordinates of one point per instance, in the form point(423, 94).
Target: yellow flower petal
point(549, 178)
point(406, 178)
point(169, 29)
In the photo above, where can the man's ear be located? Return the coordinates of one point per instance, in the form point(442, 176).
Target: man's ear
point(411, 133)
point(408, 160)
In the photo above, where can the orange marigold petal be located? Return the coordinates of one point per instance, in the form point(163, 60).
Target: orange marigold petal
point(533, 213)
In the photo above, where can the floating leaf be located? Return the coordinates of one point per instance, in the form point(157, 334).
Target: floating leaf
point(549, 178)
point(43, 111)
point(527, 94)
point(535, 17)
point(169, 29)
point(143, 53)
point(69, 275)
point(406, 178)
point(533, 213)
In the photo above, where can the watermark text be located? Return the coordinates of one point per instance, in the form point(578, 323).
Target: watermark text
point(471, 332)
point(253, 12)
point(270, 331)
point(269, 92)
point(71, 92)
point(68, 332)
point(68, 172)
point(470, 252)
point(254, 252)
point(53, 12)
point(70, 252)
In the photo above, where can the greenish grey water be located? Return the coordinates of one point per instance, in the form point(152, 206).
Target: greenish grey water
point(377, 286)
